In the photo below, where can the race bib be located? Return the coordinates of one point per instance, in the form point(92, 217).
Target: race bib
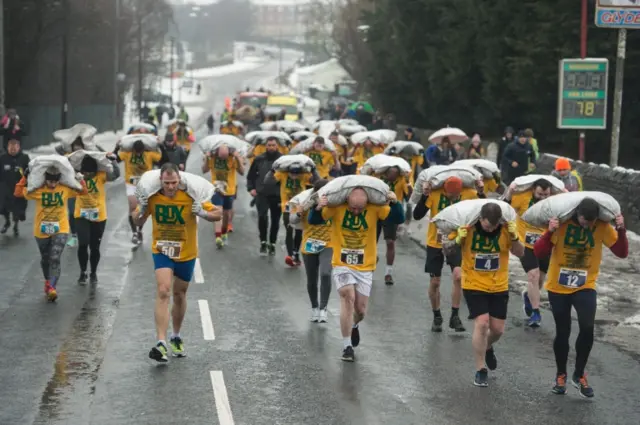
point(352, 257)
point(171, 249)
point(531, 238)
point(49, 227)
point(572, 278)
point(90, 214)
point(314, 246)
point(487, 262)
point(134, 180)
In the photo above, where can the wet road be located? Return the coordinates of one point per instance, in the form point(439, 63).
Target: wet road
point(253, 356)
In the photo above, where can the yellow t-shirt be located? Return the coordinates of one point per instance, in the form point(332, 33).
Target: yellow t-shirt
point(315, 237)
point(490, 185)
point(354, 237)
point(290, 187)
point(175, 228)
point(362, 154)
point(224, 170)
point(416, 161)
point(400, 186)
point(485, 261)
point(576, 256)
point(233, 130)
point(324, 161)
point(51, 216)
point(93, 205)
point(436, 202)
point(527, 233)
point(136, 165)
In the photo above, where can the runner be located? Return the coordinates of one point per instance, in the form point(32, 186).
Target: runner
point(12, 167)
point(91, 215)
point(354, 255)
point(364, 151)
point(184, 135)
point(316, 254)
point(77, 145)
point(535, 268)
point(399, 185)
point(172, 152)
point(175, 249)
point(293, 182)
point(223, 167)
point(575, 248)
point(325, 160)
point(485, 249)
point(435, 201)
point(136, 163)
point(50, 224)
point(267, 196)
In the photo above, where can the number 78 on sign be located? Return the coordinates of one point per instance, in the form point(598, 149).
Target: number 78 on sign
point(582, 94)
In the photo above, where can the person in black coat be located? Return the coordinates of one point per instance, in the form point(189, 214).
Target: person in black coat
point(516, 158)
point(509, 136)
point(13, 165)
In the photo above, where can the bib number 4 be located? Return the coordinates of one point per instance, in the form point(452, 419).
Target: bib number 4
point(487, 262)
point(170, 249)
point(352, 257)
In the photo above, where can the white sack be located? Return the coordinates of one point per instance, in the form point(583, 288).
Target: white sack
point(268, 126)
point(361, 137)
point(380, 163)
point(38, 167)
point(104, 164)
point(404, 148)
point(260, 137)
point(285, 162)
point(338, 190)
point(386, 136)
point(66, 136)
point(301, 199)
point(198, 188)
point(486, 167)
point(524, 183)
point(303, 135)
point(307, 145)
point(235, 123)
point(150, 142)
point(437, 174)
point(290, 126)
point(563, 206)
point(352, 129)
point(467, 213)
point(214, 142)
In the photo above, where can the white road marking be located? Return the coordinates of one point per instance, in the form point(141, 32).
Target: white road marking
point(205, 318)
point(198, 276)
point(222, 400)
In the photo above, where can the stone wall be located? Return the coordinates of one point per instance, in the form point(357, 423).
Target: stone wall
point(623, 184)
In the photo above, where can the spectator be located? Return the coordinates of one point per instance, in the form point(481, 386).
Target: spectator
point(211, 121)
point(571, 178)
point(476, 150)
point(13, 165)
point(444, 153)
point(534, 143)
point(11, 128)
point(410, 135)
point(516, 158)
point(504, 142)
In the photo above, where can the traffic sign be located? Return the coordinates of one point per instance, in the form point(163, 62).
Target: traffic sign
point(582, 94)
point(618, 13)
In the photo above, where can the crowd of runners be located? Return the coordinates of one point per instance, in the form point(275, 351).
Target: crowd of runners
point(337, 243)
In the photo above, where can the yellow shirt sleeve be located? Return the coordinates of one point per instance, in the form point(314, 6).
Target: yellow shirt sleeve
point(383, 212)
point(610, 236)
point(328, 213)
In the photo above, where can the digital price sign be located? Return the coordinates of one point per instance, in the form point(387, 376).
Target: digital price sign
point(582, 94)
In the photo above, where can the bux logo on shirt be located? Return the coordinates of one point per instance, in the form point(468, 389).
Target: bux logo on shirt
point(52, 199)
point(578, 237)
point(485, 244)
point(137, 159)
point(355, 222)
point(293, 183)
point(169, 214)
point(220, 164)
point(316, 157)
point(91, 186)
point(445, 202)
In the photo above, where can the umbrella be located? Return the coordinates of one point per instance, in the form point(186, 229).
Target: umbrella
point(365, 105)
point(455, 135)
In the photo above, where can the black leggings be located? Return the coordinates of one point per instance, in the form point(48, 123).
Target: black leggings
point(585, 302)
point(268, 205)
point(294, 237)
point(89, 237)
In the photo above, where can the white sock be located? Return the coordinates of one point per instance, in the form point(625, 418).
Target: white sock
point(346, 342)
point(355, 325)
point(388, 270)
point(163, 342)
point(174, 335)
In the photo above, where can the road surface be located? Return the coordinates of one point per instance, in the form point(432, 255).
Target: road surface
point(253, 357)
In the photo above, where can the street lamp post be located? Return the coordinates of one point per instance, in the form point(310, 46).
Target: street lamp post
point(65, 64)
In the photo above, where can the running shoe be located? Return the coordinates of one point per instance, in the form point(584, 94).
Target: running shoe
point(219, 242)
point(322, 316)
point(73, 241)
point(388, 280)
point(535, 320)
point(5, 228)
point(93, 279)
point(436, 326)
point(482, 378)
point(527, 307)
point(289, 261)
point(225, 239)
point(230, 228)
point(264, 249)
point(50, 292)
point(16, 231)
point(490, 359)
point(134, 239)
point(355, 336)
point(315, 315)
point(177, 347)
point(296, 260)
point(272, 249)
point(560, 385)
point(348, 354)
point(140, 236)
point(159, 353)
point(82, 280)
point(456, 324)
point(580, 382)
